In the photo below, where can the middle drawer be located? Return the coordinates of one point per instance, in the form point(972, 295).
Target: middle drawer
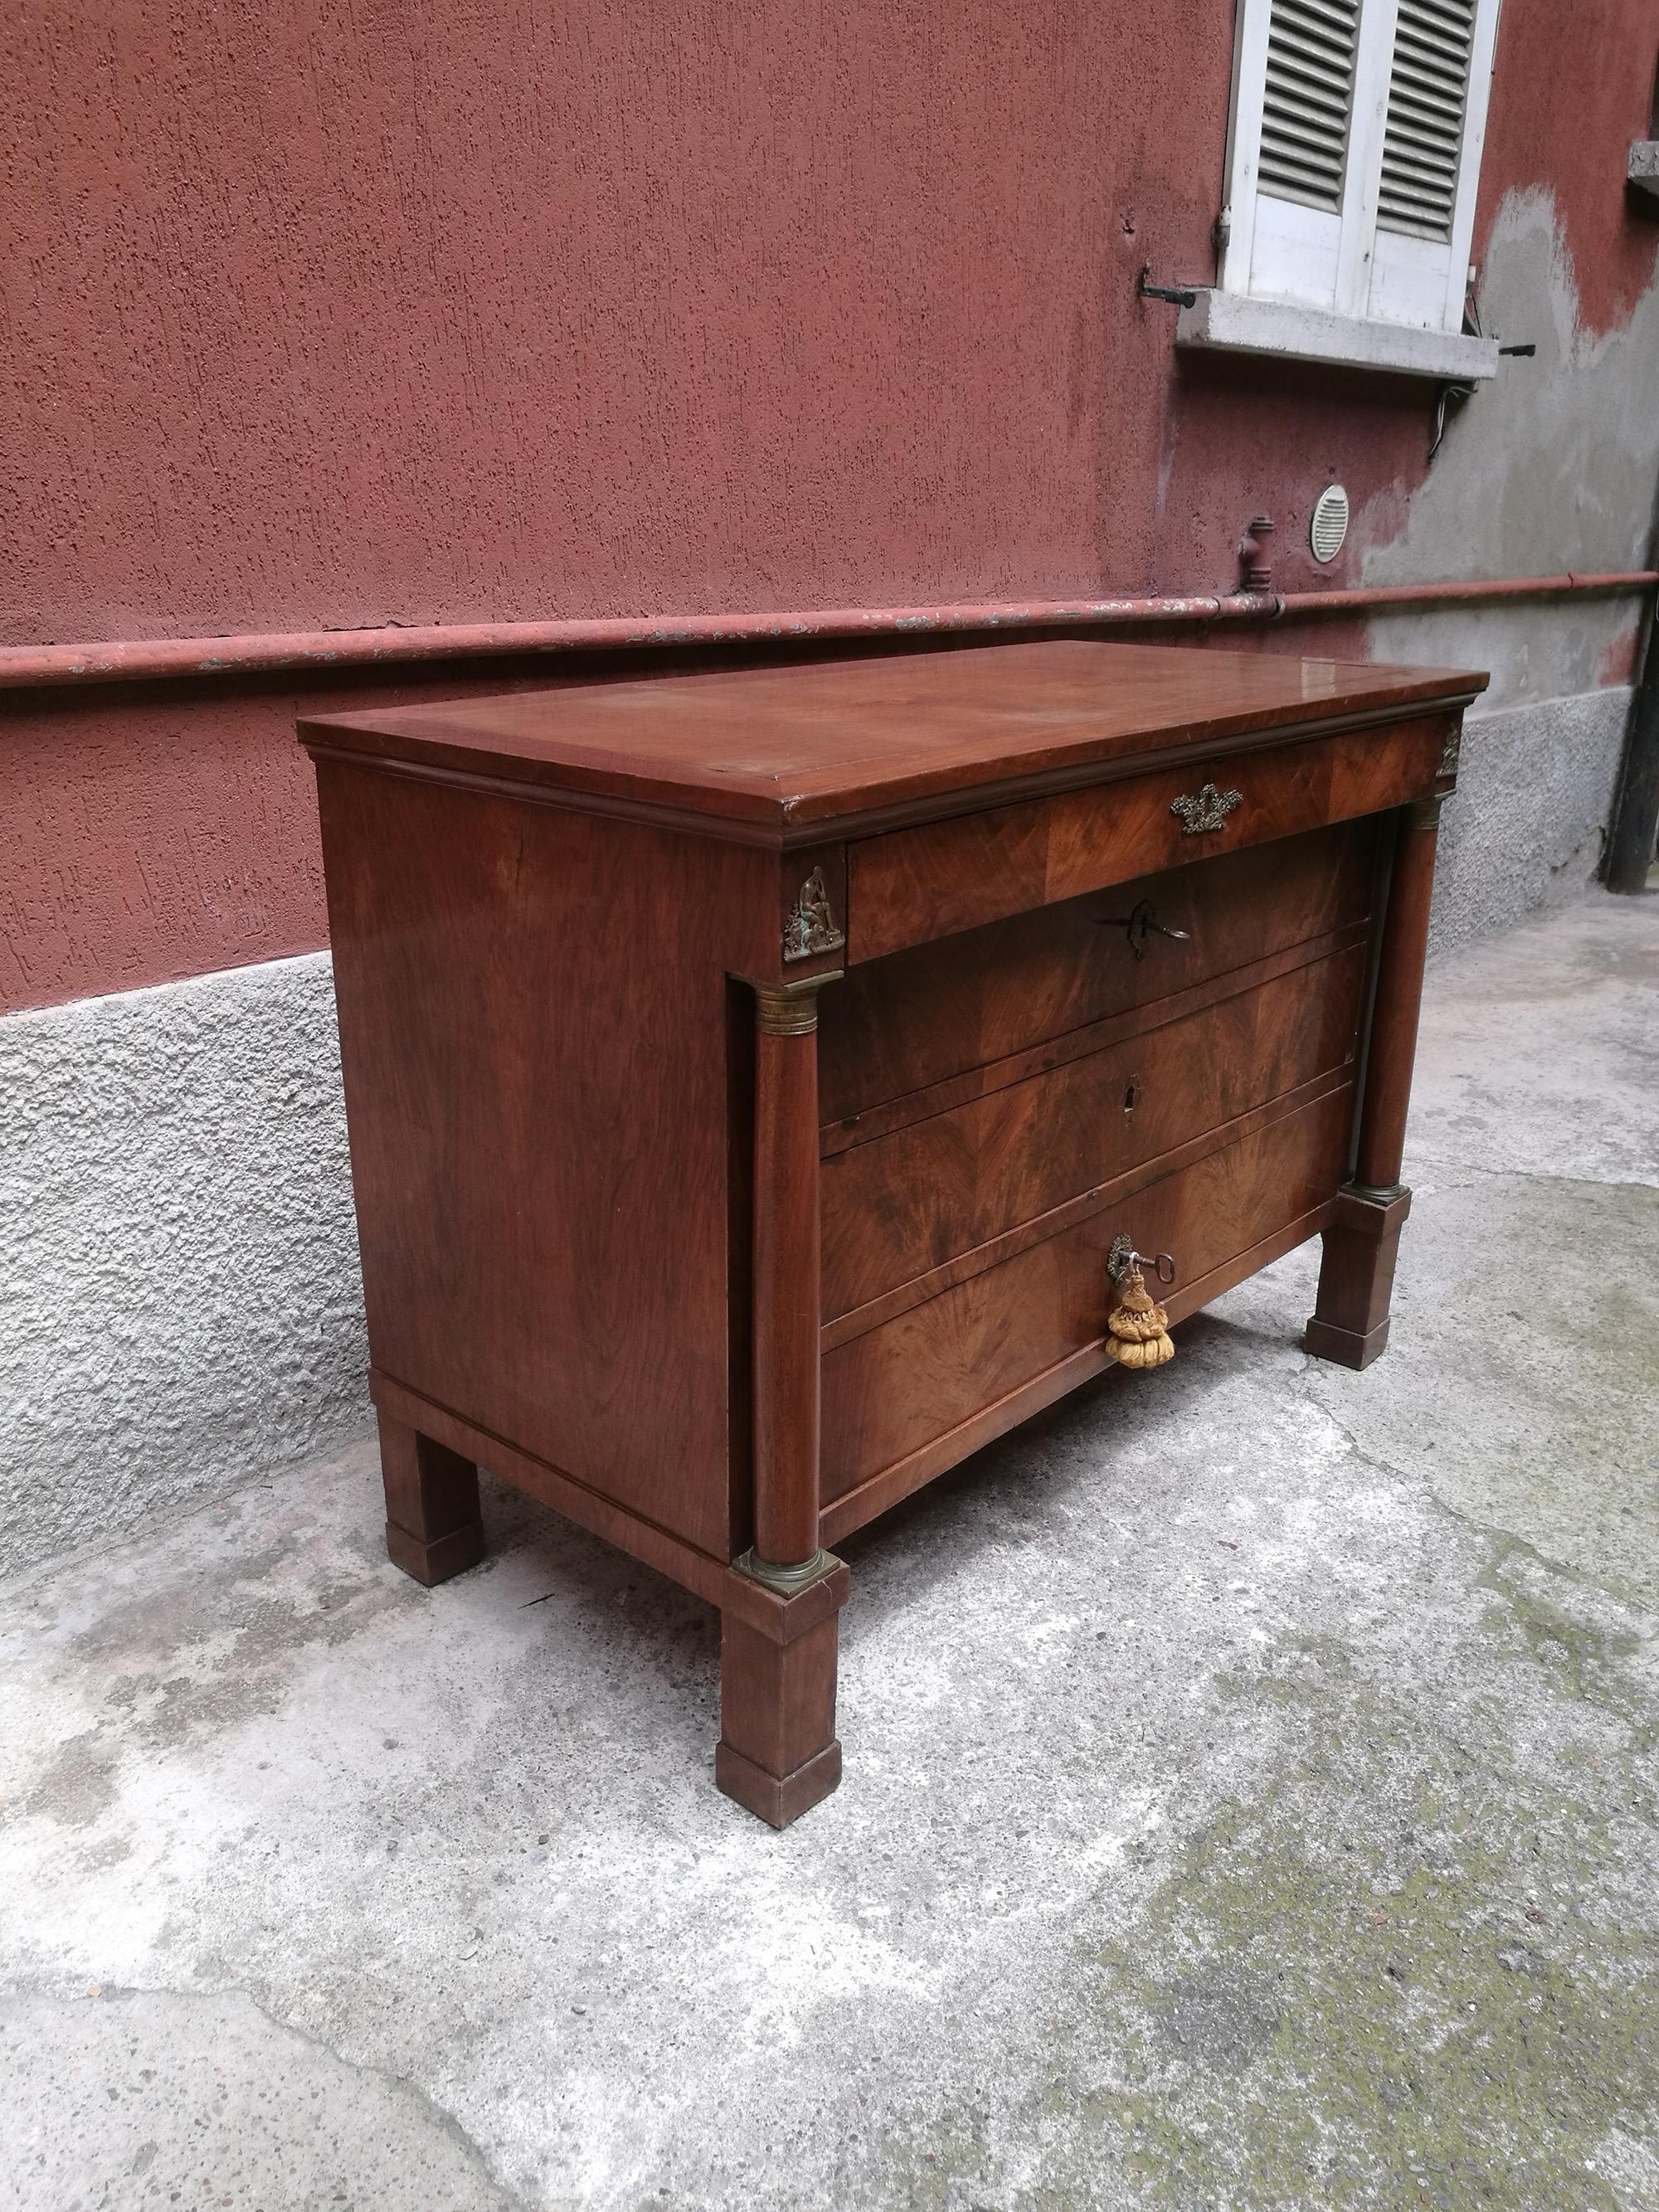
point(902, 1204)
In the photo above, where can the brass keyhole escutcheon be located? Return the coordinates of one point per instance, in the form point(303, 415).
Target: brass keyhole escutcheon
point(1132, 1095)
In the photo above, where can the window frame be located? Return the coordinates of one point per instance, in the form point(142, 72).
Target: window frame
point(1373, 275)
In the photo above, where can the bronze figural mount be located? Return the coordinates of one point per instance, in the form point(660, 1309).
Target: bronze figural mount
point(745, 1101)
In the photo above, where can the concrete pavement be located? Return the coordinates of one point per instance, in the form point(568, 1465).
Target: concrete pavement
point(1251, 1792)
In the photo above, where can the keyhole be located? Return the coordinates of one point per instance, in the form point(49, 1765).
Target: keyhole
point(1131, 1096)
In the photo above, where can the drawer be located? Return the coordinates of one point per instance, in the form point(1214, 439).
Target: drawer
point(909, 1201)
point(913, 885)
point(921, 1017)
point(905, 1401)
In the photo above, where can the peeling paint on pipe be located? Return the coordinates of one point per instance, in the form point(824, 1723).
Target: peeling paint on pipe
point(1376, 597)
point(127, 659)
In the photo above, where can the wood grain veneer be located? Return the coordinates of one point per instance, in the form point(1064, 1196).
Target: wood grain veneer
point(747, 1076)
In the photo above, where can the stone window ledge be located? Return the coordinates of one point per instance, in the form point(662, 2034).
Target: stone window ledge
point(1644, 170)
point(1280, 330)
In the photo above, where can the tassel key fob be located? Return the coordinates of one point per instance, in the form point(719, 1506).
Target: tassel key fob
point(1137, 1329)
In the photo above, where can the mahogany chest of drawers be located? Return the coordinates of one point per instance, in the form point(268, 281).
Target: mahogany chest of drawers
point(752, 1079)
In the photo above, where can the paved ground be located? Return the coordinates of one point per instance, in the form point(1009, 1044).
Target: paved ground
point(1249, 1798)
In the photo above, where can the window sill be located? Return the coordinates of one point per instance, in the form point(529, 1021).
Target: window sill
point(1644, 170)
point(1279, 330)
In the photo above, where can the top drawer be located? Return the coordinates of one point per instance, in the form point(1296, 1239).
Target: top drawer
point(915, 884)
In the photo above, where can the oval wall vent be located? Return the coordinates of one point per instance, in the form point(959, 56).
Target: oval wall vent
point(1330, 522)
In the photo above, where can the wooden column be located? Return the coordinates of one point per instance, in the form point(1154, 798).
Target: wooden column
point(787, 1301)
point(1350, 1321)
point(1398, 1001)
point(778, 1753)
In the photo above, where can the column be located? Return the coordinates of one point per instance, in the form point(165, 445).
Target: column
point(1350, 1321)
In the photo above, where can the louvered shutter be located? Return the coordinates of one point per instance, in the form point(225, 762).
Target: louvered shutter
point(1439, 65)
point(1355, 140)
point(1308, 100)
point(1298, 145)
point(1423, 136)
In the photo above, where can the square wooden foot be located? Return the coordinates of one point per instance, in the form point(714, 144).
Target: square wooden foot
point(433, 1528)
point(1350, 1321)
point(776, 1800)
point(1341, 1345)
point(778, 1754)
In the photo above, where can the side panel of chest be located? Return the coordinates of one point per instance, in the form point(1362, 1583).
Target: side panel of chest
point(539, 1114)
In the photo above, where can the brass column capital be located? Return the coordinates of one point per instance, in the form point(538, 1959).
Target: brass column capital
point(789, 1009)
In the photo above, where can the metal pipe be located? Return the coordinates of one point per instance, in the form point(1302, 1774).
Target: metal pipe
point(1374, 598)
point(148, 659)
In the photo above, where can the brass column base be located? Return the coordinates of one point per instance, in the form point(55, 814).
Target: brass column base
point(784, 1581)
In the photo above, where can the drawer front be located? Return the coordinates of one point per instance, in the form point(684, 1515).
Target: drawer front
point(913, 885)
point(909, 1399)
point(907, 1202)
point(936, 1010)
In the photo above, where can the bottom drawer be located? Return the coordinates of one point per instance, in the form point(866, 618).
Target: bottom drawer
point(913, 1396)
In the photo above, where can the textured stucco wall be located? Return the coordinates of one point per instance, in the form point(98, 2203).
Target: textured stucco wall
point(452, 314)
point(1550, 467)
point(449, 313)
point(1524, 831)
point(178, 1297)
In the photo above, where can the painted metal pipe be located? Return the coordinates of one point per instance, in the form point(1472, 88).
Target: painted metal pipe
point(1378, 597)
point(148, 659)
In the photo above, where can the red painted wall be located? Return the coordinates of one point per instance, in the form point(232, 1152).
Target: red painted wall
point(350, 314)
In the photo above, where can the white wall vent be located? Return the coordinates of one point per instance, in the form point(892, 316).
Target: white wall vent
point(1330, 523)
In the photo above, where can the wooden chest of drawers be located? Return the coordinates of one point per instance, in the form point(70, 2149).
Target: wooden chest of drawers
point(749, 1075)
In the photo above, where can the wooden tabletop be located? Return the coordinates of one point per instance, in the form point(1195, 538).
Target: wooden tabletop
point(778, 751)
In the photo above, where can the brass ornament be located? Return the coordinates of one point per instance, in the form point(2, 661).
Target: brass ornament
point(786, 1582)
point(811, 926)
point(1449, 758)
point(789, 1009)
point(1208, 811)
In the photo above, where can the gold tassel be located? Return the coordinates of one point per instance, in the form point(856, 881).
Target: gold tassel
point(1139, 1331)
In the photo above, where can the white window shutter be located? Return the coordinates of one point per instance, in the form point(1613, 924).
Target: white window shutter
point(1353, 153)
point(1305, 115)
point(1439, 75)
point(1423, 137)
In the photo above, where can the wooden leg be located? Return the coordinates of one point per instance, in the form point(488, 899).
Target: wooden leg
point(778, 1754)
point(433, 1530)
point(1350, 1321)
